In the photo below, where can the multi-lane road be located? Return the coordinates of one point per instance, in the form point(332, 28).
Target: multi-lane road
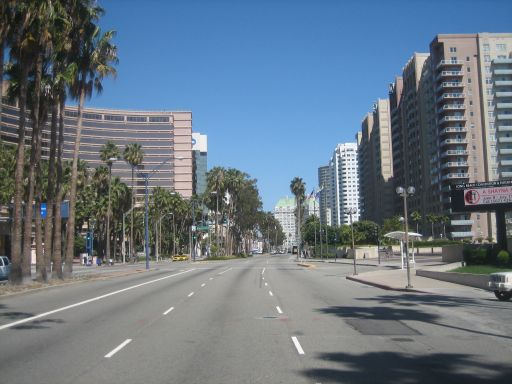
point(259, 320)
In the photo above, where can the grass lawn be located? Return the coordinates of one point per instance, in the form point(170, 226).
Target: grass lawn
point(481, 269)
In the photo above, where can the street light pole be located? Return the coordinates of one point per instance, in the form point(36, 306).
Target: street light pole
point(351, 211)
point(110, 162)
point(404, 193)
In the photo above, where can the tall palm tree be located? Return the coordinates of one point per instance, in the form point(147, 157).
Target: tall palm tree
point(233, 184)
point(215, 179)
point(432, 218)
point(133, 155)
point(108, 154)
point(7, 9)
point(416, 217)
point(95, 55)
point(298, 188)
point(22, 51)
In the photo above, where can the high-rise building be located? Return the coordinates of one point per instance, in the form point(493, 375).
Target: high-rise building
point(165, 137)
point(200, 156)
point(376, 164)
point(284, 212)
point(340, 185)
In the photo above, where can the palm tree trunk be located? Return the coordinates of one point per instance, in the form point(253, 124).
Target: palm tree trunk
point(133, 206)
point(57, 230)
point(2, 45)
point(70, 233)
point(17, 273)
point(50, 190)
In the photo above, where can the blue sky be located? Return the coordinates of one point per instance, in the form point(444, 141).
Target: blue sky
point(275, 84)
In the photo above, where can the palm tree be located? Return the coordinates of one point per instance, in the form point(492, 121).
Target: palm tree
point(416, 217)
point(7, 9)
point(444, 219)
point(233, 183)
point(432, 218)
point(95, 53)
point(133, 155)
point(108, 154)
point(215, 180)
point(298, 188)
point(22, 51)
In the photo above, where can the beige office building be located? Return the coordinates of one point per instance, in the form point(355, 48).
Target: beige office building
point(376, 164)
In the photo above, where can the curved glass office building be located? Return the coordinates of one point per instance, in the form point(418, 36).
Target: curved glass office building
point(165, 137)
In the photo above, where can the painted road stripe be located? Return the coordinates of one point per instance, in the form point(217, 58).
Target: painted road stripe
point(211, 278)
point(117, 349)
point(270, 293)
point(202, 285)
point(297, 345)
point(229, 269)
point(191, 294)
point(169, 310)
point(279, 310)
point(32, 318)
point(263, 272)
point(266, 284)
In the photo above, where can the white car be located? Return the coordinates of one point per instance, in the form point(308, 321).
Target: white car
point(501, 284)
point(5, 267)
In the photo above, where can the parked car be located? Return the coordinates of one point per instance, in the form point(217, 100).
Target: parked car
point(180, 258)
point(501, 284)
point(5, 267)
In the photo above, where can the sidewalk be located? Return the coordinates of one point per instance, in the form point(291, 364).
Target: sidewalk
point(392, 277)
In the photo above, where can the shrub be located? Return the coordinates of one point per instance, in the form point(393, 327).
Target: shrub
point(503, 258)
point(475, 256)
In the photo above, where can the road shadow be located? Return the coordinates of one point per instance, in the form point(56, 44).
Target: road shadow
point(398, 368)
point(12, 316)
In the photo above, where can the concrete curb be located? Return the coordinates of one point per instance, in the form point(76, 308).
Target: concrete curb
point(383, 286)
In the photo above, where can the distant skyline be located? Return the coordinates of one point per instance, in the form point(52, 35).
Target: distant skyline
point(275, 84)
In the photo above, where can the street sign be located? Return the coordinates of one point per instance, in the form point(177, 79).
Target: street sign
point(482, 197)
point(43, 210)
point(202, 228)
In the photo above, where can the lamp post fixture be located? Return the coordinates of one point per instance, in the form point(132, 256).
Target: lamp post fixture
point(109, 163)
point(401, 191)
point(352, 211)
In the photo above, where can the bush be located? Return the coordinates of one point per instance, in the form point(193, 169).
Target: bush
point(475, 256)
point(503, 258)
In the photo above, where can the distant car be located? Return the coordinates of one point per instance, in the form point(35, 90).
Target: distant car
point(501, 284)
point(5, 267)
point(180, 258)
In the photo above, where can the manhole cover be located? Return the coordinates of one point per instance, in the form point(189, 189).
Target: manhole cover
point(381, 327)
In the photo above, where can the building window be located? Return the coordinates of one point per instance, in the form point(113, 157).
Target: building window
point(453, 49)
point(486, 47)
point(487, 58)
point(501, 47)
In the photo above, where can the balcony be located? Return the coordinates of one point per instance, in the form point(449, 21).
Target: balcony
point(504, 105)
point(456, 152)
point(453, 142)
point(454, 164)
point(502, 61)
point(451, 107)
point(454, 176)
point(445, 63)
point(462, 222)
point(449, 74)
point(504, 116)
point(500, 83)
point(504, 139)
point(506, 174)
point(505, 151)
point(503, 94)
point(506, 162)
point(450, 96)
point(504, 128)
point(449, 130)
point(503, 71)
point(448, 119)
point(450, 84)
point(458, 235)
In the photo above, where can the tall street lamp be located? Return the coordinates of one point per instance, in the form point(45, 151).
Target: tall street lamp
point(401, 191)
point(109, 163)
point(147, 176)
point(352, 211)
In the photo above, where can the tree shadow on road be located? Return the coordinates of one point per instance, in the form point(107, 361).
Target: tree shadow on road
point(398, 368)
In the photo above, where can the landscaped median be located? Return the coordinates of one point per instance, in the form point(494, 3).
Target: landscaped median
point(476, 276)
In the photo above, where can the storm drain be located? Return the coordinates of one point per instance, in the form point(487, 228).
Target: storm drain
point(381, 327)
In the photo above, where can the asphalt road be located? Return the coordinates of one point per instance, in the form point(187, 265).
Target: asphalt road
point(260, 320)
